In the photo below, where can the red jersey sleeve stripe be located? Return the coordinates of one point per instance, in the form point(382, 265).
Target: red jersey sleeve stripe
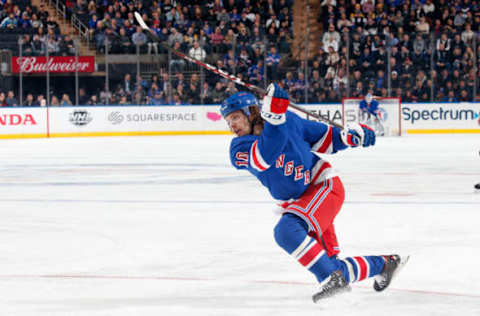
point(256, 159)
point(324, 145)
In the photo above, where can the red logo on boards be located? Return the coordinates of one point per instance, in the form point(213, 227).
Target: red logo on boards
point(56, 64)
point(16, 119)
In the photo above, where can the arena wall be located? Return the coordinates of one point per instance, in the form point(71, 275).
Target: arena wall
point(79, 121)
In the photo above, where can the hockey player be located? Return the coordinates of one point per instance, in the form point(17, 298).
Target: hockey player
point(369, 106)
point(370, 113)
point(280, 149)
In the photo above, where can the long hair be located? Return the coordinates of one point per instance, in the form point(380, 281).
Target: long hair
point(256, 120)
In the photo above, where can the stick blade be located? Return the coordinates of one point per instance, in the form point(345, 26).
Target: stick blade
point(140, 21)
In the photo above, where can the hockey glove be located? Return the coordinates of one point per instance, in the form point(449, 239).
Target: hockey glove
point(275, 104)
point(358, 134)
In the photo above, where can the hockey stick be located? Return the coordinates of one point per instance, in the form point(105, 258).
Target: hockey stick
point(224, 74)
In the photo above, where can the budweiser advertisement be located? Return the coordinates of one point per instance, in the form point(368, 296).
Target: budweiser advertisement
point(55, 64)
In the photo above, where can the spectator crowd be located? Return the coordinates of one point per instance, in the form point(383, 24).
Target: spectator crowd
point(418, 50)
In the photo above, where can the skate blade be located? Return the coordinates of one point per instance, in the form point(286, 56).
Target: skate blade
point(317, 297)
point(403, 262)
point(401, 265)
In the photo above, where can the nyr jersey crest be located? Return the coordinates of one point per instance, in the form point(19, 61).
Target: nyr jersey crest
point(288, 168)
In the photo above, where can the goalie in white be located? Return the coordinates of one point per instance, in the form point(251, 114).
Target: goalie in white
point(371, 115)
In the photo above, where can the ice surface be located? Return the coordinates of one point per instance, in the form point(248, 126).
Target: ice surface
point(165, 226)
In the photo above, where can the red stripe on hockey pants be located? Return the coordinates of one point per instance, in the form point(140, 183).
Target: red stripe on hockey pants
point(319, 206)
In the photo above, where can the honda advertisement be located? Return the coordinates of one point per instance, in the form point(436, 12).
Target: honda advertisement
point(23, 122)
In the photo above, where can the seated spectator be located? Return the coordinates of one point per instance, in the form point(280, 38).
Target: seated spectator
point(467, 35)
point(38, 47)
point(66, 46)
point(123, 100)
point(339, 79)
point(139, 39)
point(445, 41)
point(231, 89)
point(395, 80)
point(257, 39)
point(218, 94)
point(157, 99)
point(11, 100)
point(256, 73)
point(93, 100)
point(65, 100)
point(35, 22)
point(206, 94)
point(10, 22)
point(27, 46)
point(174, 37)
point(82, 97)
point(80, 8)
point(127, 85)
point(273, 61)
point(138, 98)
point(99, 35)
point(450, 97)
point(29, 101)
point(197, 52)
point(179, 80)
point(216, 40)
point(422, 26)
point(106, 96)
point(52, 46)
point(92, 23)
point(177, 100)
point(40, 101)
point(177, 63)
point(3, 99)
point(54, 101)
point(25, 22)
point(124, 42)
point(53, 25)
point(193, 90)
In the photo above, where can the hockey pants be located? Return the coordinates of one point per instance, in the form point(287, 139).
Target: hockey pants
point(306, 232)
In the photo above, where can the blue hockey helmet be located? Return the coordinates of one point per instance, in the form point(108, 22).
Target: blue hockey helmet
point(238, 101)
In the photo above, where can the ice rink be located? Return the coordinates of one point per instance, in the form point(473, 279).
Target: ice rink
point(165, 226)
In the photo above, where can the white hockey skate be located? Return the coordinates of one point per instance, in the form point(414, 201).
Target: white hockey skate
point(331, 286)
point(393, 265)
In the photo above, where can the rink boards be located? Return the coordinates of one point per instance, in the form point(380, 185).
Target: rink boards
point(81, 121)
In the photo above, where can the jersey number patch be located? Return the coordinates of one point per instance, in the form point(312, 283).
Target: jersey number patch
point(241, 159)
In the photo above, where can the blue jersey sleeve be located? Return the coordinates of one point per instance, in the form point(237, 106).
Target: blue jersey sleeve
point(363, 105)
point(373, 107)
point(240, 151)
point(323, 138)
point(259, 152)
